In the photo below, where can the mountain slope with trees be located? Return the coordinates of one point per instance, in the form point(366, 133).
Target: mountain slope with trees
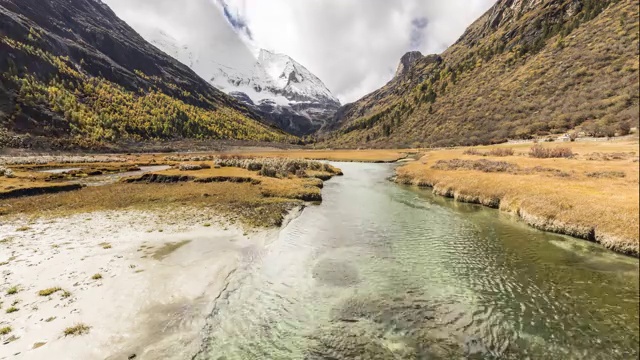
point(73, 75)
point(525, 68)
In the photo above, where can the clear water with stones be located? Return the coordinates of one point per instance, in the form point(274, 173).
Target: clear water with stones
point(382, 271)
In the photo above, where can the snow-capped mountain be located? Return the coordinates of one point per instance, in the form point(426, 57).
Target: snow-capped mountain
point(294, 80)
point(277, 86)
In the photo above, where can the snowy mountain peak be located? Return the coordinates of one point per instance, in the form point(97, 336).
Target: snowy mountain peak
point(293, 78)
point(275, 85)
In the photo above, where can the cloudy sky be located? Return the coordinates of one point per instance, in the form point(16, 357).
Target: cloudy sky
point(352, 45)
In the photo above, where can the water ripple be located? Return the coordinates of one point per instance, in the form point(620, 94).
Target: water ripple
point(380, 271)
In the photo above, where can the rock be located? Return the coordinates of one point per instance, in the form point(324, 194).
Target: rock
point(407, 61)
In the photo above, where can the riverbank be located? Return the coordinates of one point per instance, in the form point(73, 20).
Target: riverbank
point(130, 261)
point(116, 284)
point(591, 194)
point(256, 191)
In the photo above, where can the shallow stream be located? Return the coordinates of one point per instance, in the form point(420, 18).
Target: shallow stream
point(382, 271)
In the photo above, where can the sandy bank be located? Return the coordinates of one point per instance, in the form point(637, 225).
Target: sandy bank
point(144, 287)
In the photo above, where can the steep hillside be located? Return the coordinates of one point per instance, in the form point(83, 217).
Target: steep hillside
point(525, 68)
point(73, 75)
point(276, 86)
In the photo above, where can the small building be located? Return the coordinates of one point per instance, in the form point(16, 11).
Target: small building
point(564, 138)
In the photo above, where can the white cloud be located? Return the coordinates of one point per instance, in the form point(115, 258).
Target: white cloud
point(352, 45)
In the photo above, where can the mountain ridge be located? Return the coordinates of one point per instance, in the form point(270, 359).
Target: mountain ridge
point(76, 76)
point(275, 85)
point(525, 68)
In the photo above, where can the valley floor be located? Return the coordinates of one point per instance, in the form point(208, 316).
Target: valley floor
point(125, 254)
point(591, 194)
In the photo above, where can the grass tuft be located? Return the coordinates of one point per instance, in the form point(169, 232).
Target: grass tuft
point(540, 152)
point(76, 330)
point(49, 291)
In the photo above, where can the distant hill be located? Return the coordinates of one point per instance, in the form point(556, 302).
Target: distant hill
point(73, 75)
point(525, 68)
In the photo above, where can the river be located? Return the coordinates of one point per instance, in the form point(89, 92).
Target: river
point(382, 271)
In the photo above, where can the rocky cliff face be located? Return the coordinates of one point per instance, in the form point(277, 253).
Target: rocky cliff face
point(407, 61)
point(525, 68)
point(65, 63)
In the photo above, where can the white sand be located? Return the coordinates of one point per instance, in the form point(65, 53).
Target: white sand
point(153, 308)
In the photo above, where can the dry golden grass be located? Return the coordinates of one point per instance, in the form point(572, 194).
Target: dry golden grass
point(255, 200)
point(369, 155)
point(49, 291)
point(76, 330)
point(23, 180)
point(240, 199)
point(231, 172)
point(307, 189)
point(586, 80)
point(559, 195)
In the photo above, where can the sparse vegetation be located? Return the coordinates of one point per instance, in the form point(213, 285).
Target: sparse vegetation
point(5, 330)
point(77, 330)
point(96, 277)
point(481, 165)
point(49, 291)
point(167, 249)
point(274, 167)
point(500, 151)
point(13, 290)
point(368, 155)
point(606, 174)
point(12, 309)
point(497, 152)
point(541, 152)
point(191, 167)
point(257, 200)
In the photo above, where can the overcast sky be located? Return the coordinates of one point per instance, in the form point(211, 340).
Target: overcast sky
point(353, 46)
